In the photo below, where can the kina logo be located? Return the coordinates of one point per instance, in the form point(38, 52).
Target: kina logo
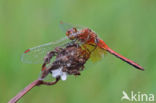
point(138, 96)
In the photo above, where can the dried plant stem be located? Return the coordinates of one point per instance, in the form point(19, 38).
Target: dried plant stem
point(29, 87)
point(71, 58)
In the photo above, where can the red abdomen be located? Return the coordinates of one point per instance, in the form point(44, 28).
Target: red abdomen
point(102, 45)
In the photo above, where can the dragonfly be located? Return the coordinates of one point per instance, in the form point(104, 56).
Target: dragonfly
point(84, 36)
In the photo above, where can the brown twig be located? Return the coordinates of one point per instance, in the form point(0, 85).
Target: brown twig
point(29, 87)
point(71, 58)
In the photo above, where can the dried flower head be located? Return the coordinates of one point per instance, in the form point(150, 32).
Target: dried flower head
point(69, 61)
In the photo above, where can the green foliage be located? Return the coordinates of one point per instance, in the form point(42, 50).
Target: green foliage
point(127, 26)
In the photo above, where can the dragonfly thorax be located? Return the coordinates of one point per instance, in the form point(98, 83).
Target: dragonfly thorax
point(82, 35)
point(87, 36)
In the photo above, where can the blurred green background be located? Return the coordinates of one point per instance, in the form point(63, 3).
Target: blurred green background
point(127, 26)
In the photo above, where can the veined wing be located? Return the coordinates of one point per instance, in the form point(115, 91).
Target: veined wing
point(36, 54)
point(96, 52)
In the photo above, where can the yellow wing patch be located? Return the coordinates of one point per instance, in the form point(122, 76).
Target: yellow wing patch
point(96, 52)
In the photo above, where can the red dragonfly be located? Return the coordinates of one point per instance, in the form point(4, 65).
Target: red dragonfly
point(87, 38)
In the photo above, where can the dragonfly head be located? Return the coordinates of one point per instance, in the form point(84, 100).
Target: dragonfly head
point(72, 33)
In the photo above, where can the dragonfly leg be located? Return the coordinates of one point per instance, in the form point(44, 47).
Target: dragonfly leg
point(96, 42)
point(74, 42)
point(95, 46)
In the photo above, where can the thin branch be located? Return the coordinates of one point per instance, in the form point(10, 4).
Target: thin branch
point(29, 87)
point(72, 54)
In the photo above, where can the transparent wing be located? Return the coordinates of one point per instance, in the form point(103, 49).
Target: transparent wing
point(36, 54)
point(96, 52)
point(66, 26)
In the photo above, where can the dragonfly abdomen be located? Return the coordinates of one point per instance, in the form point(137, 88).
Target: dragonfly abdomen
point(125, 59)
